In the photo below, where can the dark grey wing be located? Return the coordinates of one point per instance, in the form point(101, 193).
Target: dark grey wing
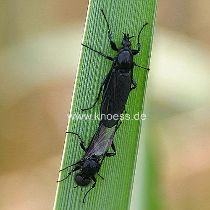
point(101, 141)
point(123, 88)
point(115, 95)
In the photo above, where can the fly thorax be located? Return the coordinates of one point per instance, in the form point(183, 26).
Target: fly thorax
point(90, 166)
point(125, 59)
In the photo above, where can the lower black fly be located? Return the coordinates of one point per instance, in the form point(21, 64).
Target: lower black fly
point(89, 165)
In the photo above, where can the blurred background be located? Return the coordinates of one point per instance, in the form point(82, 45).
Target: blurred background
point(39, 52)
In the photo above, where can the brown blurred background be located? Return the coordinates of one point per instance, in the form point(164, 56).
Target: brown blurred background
point(39, 50)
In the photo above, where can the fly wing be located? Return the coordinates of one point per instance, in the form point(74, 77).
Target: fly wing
point(101, 141)
point(115, 95)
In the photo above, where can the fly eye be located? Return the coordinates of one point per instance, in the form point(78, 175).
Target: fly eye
point(81, 181)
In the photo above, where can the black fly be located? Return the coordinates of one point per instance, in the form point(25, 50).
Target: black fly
point(89, 165)
point(119, 81)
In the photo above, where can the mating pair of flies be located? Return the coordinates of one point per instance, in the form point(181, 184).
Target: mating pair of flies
point(116, 87)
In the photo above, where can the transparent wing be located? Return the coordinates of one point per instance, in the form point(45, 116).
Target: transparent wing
point(102, 140)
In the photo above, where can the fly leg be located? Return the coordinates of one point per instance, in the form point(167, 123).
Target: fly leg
point(110, 154)
point(69, 166)
point(112, 43)
point(100, 53)
point(118, 125)
point(75, 169)
point(134, 52)
point(81, 140)
point(141, 67)
point(133, 82)
point(100, 176)
point(94, 184)
point(101, 88)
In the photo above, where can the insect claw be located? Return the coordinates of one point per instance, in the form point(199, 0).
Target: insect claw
point(110, 35)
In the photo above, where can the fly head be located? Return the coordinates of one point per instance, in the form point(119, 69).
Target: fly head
point(126, 41)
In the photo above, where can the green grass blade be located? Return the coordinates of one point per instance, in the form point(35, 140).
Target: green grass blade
point(115, 190)
point(151, 171)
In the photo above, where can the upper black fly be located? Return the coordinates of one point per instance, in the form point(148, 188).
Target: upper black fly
point(89, 165)
point(119, 81)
